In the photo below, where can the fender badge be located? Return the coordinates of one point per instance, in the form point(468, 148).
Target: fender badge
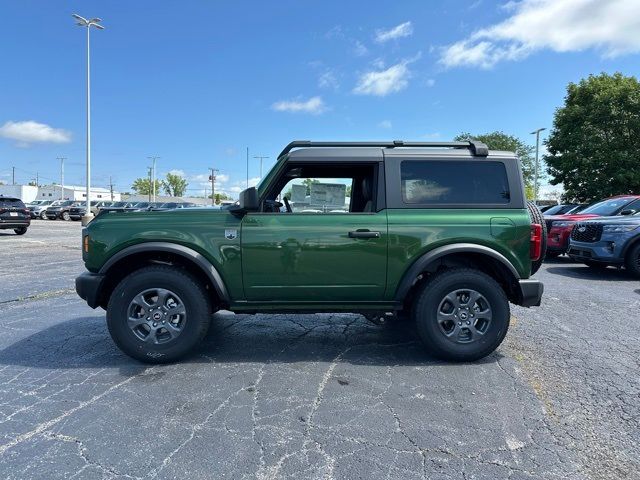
point(231, 234)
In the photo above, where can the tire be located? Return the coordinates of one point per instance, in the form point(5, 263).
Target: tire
point(536, 217)
point(164, 344)
point(43, 215)
point(632, 261)
point(486, 332)
point(20, 231)
point(65, 216)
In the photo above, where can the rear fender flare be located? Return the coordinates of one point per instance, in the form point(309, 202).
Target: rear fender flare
point(422, 263)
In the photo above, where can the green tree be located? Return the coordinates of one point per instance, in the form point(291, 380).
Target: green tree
point(308, 182)
point(501, 141)
point(174, 185)
point(219, 197)
point(594, 145)
point(143, 186)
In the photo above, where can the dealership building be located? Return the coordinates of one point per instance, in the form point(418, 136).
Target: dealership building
point(29, 193)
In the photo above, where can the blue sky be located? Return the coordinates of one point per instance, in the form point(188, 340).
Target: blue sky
point(197, 82)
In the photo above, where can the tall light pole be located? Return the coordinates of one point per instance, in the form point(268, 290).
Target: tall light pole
point(83, 22)
point(212, 177)
point(535, 179)
point(62, 159)
point(153, 180)
point(261, 157)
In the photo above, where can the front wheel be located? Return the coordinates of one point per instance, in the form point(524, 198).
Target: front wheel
point(632, 262)
point(461, 315)
point(43, 215)
point(20, 231)
point(158, 314)
point(65, 216)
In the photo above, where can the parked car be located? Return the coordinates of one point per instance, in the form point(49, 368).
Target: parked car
point(117, 207)
point(14, 215)
point(559, 226)
point(37, 208)
point(60, 210)
point(77, 212)
point(449, 250)
point(607, 241)
point(561, 209)
point(174, 205)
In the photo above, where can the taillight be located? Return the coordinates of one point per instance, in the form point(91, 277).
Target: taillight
point(85, 243)
point(535, 247)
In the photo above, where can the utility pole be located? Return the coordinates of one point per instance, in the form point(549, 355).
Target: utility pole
point(535, 180)
point(111, 187)
point(261, 157)
point(37, 180)
point(153, 159)
point(247, 167)
point(62, 159)
point(13, 176)
point(149, 168)
point(212, 177)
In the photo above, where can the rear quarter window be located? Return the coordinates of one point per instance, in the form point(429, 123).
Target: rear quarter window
point(450, 182)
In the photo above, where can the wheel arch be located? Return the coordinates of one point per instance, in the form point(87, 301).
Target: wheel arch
point(137, 256)
point(467, 255)
point(629, 246)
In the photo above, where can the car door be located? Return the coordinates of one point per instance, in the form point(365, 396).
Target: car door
point(311, 257)
point(331, 246)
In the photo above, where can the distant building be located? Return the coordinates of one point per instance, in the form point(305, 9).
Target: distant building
point(71, 192)
point(26, 193)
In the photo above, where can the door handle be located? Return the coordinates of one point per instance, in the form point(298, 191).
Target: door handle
point(364, 233)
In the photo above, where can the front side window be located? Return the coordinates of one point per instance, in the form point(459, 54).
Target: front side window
point(318, 195)
point(441, 182)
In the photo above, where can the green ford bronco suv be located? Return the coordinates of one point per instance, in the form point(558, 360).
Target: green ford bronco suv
point(438, 232)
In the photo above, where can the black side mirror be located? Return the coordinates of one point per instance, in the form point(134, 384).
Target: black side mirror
point(247, 202)
point(629, 211)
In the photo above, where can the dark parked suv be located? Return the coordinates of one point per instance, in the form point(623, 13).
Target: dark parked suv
point(437, 232)
point(14, 215)
point(607, 241)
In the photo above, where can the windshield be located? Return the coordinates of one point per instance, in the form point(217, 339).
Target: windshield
point(559, 209)
point(608, 207)
point(68, 203)
point(141, 205)
point(119, 204)
point(169, 205)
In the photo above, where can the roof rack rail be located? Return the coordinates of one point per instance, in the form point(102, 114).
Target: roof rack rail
point(477, 148)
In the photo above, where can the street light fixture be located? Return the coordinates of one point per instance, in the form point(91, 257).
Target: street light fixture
point(261, 157)
point(535, 180)
point(83, 22)
point(153, 179)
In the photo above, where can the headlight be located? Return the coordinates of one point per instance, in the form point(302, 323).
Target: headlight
point(619, 228)
point(562, 223)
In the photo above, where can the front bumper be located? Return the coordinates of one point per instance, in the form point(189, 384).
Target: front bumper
point(88, 287)
point(530, 293)
point(609, 249)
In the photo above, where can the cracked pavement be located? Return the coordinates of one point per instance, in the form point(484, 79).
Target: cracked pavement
point(313, 396)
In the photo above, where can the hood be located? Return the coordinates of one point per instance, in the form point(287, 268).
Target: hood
point(618, 220)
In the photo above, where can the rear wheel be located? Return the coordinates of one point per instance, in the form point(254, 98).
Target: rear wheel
point(461, 315)
point(632, 262)
point(158, 314)
point(536, 217)
point(20, 231)
point(65, 216)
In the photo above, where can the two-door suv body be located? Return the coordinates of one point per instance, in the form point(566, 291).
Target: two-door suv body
point(440, 232)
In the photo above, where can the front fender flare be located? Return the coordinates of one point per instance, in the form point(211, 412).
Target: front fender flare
point(421, 264)
point(186, 252)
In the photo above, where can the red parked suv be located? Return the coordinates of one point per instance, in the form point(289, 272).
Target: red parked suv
point(559, 226)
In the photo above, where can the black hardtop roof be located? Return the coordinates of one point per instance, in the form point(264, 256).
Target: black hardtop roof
point(474, 147)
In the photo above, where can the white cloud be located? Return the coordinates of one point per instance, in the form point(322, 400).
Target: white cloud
point(237, 187)
point(399, 31)
point(384, 82)
point(28, 132)
point(177, 172)
point(328, 80)
point(609, 26)
point(385, 124)
point(314, 105)
point(430, 82)
point(359, 49)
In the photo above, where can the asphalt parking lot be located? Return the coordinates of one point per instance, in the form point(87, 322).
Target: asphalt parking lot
point(314, 396)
